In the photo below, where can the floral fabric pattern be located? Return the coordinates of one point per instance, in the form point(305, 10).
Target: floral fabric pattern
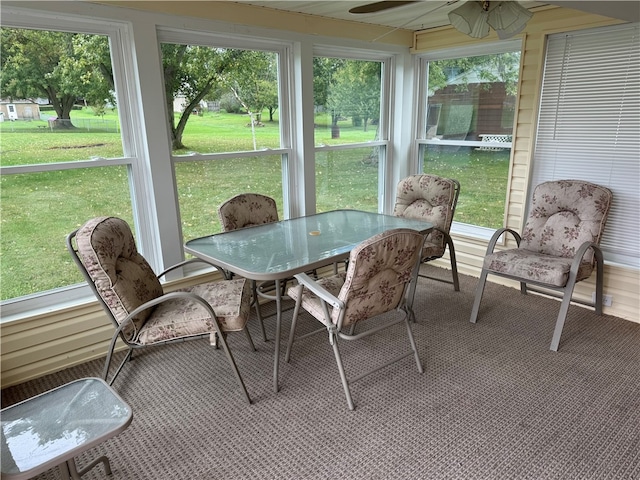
point(124, 280)
point(247, 210)
point(564, 215)
point(375, 282)
point(432, 199)
point(122, 277)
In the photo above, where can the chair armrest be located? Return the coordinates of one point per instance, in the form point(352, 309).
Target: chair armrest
point(186, 262)
point(577, 259)
point(316, 289)
point(496, 236)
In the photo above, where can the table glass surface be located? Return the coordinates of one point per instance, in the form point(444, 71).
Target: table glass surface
point(48, 429)
point(276, 250)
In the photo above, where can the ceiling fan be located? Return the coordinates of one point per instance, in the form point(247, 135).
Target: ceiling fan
point(507, 18)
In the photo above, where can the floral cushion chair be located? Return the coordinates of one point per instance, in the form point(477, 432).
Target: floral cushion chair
point(559, 245)
point(248, 210)
point(378, 278)
point(433, 199)
point(132, 296)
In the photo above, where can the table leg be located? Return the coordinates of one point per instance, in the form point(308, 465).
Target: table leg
point(276, 355)
point(68, 470)
point(64, 470)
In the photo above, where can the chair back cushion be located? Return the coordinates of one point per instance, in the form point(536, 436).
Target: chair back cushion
point(379, 271)
point(247, 210)
point(121, 276)
point(565, 214)
point(429, 198)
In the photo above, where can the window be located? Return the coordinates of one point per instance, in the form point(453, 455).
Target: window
point(589, 125)
point(465, 129)
point(66, 156)
point(350, 132)
point(229, 128)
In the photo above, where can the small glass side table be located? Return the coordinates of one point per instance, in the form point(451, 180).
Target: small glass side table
point(52, 428)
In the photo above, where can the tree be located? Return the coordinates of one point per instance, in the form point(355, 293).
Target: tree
point(324, 70)
point(254, 82)
point(194, 72)
point(356, 90)
point(490, 68)
point(54, 65)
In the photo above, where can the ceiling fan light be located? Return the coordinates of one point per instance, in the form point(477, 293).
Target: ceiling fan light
point(510, 31)
point(509, 17)
point(470, 19)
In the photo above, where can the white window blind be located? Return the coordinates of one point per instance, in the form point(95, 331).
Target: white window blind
point(589, 125)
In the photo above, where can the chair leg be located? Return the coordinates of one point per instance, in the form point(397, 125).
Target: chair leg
point(246, 331)
point(294, 321)
point(562, 316)
point(479, 291)
point(234, 367)
point(343, 377)
point(107, 363)
point(256, 301)
point(454, 264)
point(413, 344)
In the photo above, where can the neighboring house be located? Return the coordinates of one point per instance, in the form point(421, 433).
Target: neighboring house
point(19, 110)
point(180, 102)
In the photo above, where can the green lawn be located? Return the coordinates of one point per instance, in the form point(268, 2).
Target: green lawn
point(39, 209)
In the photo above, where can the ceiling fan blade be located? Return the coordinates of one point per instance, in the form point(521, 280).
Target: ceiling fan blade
point(380, 6)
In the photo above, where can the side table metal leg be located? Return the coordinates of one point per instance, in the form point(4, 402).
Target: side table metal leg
point(76, 475)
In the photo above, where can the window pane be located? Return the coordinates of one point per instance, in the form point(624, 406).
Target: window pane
point(483, 178)
point(347, 99)
point(38, 210)
point(204, 185)
point(347, 179)
point(471, 100)
point(62, 101)
point(223, 100)
point(62, 109)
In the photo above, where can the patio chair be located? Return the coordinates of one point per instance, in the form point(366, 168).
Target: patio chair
point(433, 199)
point(559, 246)
point(378, 278)
point(133, 298)
point(248, 210)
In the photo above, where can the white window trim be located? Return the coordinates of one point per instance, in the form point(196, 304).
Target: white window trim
point(118, 34)
point(421, 94)
point(387, 64)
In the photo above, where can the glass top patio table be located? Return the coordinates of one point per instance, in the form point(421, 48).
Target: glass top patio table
point(279, 250)
point(52, 428)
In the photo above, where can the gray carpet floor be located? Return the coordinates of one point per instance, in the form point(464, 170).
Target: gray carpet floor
point(493, 403)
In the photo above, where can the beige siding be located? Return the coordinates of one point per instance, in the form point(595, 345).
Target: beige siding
point(46, 343)
point(620, 282)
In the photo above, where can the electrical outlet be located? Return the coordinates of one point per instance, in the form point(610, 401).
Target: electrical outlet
point(607, 300)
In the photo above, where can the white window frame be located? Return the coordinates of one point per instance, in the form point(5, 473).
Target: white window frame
point(130, 121)
point(284, 51)
point(388, 68)
point(421, 142)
